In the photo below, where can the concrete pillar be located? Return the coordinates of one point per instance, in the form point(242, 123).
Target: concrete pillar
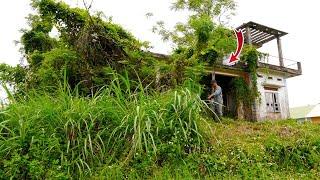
point(280, 52)
point(248, 34)
point(213, 75)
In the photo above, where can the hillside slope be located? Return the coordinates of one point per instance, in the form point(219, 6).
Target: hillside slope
point(136, 135)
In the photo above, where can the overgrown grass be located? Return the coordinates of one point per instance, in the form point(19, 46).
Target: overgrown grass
point(246, 150)
point(126, 131)
point(45, 135)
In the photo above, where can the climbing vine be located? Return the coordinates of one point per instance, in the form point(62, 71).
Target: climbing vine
point(248, 93)
point(242, 91)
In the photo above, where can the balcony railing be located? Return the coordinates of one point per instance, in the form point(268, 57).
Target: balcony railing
point(274, 60)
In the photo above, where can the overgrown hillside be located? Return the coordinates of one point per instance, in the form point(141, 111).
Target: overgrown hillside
point(94, 103)
point(119, 133)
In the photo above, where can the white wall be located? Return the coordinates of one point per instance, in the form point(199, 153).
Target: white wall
point(282, 93)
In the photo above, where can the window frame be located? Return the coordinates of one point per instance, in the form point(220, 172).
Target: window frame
point(273, 102)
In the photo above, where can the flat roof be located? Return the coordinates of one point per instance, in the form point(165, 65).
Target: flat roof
point(260, 34)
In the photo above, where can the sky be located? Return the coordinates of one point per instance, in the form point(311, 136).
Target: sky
point(298, 18)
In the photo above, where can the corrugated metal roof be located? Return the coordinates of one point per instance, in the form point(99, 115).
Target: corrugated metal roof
point(315, 112)
point(301, 112)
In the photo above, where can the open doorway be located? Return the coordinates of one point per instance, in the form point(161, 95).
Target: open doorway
point(229, 99)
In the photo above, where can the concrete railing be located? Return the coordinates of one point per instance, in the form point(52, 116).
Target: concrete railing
point(274, 60)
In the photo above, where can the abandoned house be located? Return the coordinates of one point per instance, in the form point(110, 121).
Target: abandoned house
point(272, 75)
point(272, 72)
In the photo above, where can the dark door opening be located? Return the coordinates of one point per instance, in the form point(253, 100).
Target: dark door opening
point(229, 99)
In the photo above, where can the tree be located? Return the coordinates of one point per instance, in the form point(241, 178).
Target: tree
point(84, 54)
point(203, 39)
point(89, 47)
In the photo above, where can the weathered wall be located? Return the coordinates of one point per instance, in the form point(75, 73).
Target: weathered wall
point(315, 120)
point(277, 81)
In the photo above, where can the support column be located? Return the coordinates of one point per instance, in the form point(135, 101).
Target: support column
point(251, 111)
point(280, 52)
point(248, 34)
point(213, 75)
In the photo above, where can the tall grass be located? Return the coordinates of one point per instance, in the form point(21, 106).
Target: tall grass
point(66, 135)
point(127, 131)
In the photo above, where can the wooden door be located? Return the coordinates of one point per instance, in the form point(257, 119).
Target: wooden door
point(272, 105)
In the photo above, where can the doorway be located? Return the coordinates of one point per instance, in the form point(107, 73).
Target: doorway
point(229, 99)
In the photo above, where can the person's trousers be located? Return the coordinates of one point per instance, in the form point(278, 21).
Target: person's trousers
point(217, 108)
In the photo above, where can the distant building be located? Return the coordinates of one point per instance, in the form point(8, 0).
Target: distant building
point(306, 113)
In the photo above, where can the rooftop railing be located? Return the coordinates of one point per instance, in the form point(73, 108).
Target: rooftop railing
point(274, 60)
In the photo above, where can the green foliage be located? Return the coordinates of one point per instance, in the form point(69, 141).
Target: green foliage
point(203, 26)
point(202, 40)
point(55, 64)
point(15, 77)
point(88, 45)
point(210, 56)
point(126, 134)
point(34, 40)
point(247, 92)
point(251, 57)
point(126, 129)
point(85, 47)
point(45, 135)
point(242, 91)
point(213, 8)
point(11, 74)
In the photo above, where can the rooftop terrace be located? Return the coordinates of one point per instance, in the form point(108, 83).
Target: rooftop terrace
point(258, 35)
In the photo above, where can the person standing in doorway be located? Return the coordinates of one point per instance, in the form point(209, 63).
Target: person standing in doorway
point(215, 98)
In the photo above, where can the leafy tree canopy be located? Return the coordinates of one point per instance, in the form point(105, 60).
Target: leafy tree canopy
point(87, 48)
point(202, 39)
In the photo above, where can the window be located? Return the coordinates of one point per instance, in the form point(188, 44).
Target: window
point(272, 102)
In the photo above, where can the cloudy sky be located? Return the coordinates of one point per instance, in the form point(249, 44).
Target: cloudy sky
point(298, 18)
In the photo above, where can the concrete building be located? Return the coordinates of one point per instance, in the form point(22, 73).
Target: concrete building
point(273, 72)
